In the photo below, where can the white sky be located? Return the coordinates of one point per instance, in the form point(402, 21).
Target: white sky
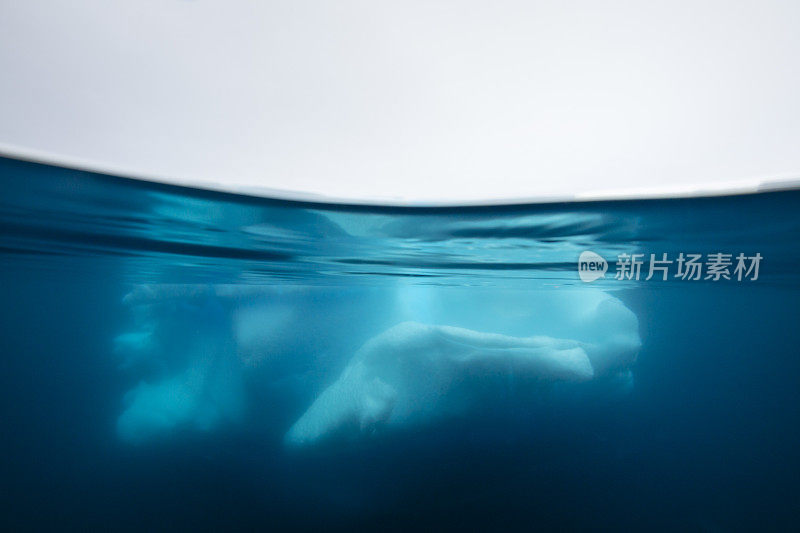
point(409, 101)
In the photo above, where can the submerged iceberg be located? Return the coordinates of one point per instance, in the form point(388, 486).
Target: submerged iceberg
point(192, 349)
point(190, 375)
point(411, 355)
point(414, 373)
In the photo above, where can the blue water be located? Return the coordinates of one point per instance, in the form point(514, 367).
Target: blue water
point(263, 304)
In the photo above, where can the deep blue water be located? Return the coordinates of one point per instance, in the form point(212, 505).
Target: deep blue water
point(705, 438)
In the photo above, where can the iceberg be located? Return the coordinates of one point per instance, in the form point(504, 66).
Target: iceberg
point(192, 379)
point(414, 373)
point(134, 348)
point(410, 354)
point(193, 348)
point(204, 396)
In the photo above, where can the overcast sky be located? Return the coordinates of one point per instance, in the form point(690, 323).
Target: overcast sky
point(409, 100)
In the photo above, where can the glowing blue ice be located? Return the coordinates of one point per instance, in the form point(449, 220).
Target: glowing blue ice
point(414, 373)
point(416, 354)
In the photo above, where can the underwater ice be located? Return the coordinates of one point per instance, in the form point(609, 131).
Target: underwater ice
point(414, 371)
point(410, 355)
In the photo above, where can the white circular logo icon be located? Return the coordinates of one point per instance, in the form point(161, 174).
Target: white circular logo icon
point(591, 266)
